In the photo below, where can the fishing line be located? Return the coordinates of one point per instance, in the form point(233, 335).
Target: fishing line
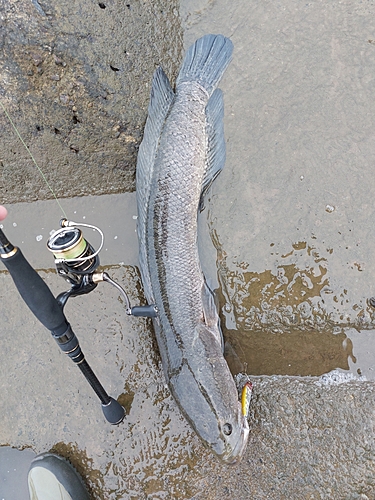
point(33, 159)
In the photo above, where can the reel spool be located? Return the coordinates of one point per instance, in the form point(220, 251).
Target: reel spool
point(74, 256)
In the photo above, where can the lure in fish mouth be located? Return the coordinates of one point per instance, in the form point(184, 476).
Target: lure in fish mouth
point(233, 453)
point(239, 449)
point(181, 154)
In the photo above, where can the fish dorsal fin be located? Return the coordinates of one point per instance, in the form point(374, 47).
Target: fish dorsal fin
point(211, 316)
point(161, 100)
point(215, 155)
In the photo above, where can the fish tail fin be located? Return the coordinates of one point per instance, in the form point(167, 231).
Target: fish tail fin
point(205, 61)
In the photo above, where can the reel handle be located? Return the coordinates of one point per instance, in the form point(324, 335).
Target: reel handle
point(148, 311)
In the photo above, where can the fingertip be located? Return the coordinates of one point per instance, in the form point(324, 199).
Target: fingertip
point(3, 212)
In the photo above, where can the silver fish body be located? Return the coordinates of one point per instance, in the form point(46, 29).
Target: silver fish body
point(182, 151)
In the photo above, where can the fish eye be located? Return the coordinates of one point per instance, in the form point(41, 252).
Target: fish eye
point(227, 429)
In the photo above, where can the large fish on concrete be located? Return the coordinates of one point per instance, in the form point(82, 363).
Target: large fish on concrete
point(182, 152)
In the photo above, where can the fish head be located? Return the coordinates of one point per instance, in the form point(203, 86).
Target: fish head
point(206, 393)
point(224, 431)
point(230, 437)
point(233, 439)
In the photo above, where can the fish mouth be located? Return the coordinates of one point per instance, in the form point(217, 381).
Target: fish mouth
point(235, 456)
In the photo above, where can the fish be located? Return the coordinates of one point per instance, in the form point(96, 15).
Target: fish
point(181, 154)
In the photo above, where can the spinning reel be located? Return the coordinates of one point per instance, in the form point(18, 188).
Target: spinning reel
point(77, 262)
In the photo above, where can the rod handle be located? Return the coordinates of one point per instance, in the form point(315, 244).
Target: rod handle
point(34, 291)
point(113, 412)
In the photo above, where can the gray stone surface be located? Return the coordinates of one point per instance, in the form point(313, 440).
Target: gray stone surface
point(74, 76)
point(311, 438)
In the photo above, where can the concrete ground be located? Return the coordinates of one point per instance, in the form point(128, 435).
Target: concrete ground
point(288, 225)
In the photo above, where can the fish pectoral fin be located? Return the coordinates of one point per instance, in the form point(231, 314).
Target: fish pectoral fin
point(215, 154)
point(161, 100)
point(210, 315)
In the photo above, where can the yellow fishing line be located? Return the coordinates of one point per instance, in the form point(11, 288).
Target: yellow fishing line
point(32, 157)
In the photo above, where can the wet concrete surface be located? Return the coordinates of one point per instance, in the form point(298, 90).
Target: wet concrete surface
point(14, 466)
point(115, 215)
point(291, 215)
point(288, 225)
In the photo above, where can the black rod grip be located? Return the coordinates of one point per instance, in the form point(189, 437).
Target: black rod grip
point(36, 293)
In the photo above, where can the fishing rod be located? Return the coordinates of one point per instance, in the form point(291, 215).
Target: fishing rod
point(77, 262)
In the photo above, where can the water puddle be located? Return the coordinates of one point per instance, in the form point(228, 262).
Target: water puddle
point(289, 320)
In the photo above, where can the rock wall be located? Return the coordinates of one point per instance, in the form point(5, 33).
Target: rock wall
point(75, 79)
